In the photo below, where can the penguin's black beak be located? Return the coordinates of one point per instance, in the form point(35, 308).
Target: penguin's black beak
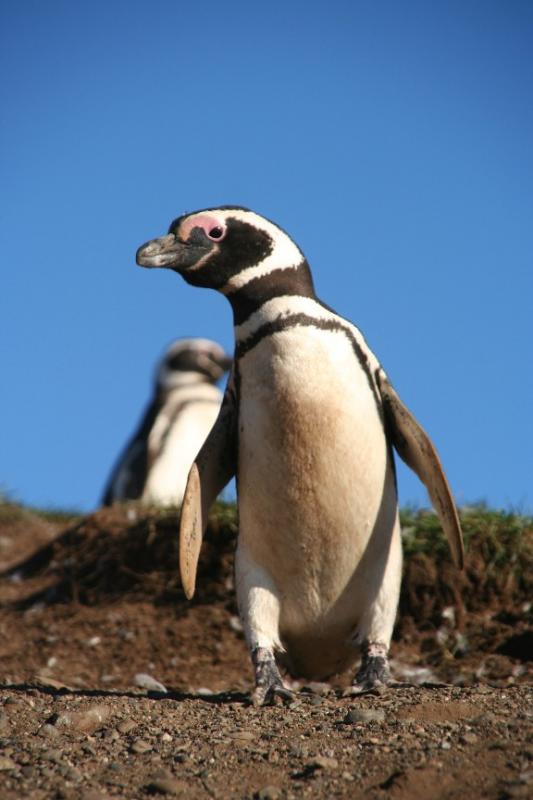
point(216, 364)
point(169, 251)
point(226, 362)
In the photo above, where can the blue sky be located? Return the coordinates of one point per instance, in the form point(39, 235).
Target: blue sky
point(393, 140)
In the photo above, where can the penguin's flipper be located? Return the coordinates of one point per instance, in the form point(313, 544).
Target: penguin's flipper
point(416, 449)
point(128, 475)
point(212, 469)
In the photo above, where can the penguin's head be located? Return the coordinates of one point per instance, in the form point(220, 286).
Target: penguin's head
point(222, 248)
point(186, 360)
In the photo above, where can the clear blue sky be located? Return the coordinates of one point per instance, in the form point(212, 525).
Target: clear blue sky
point(393, 140)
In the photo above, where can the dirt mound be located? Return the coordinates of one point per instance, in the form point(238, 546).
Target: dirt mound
point(476, 623)
point(463, 626)
point(126, 551)
point(498, 568)
point(93, 615)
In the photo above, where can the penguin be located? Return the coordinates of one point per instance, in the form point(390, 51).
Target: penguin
point(154, 465)
point(308, 425)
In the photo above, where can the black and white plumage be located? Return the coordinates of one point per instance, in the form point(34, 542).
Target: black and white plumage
point(308, 423)
point(155, 463)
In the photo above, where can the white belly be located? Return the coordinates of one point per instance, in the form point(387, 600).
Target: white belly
point(165, 484)
point(317, 500)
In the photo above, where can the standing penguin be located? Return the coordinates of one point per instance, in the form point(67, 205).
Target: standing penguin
point(308, 423)
point(154, 465)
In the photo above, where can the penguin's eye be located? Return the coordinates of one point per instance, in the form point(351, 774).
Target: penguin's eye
point(216, 232)
point(213, 228)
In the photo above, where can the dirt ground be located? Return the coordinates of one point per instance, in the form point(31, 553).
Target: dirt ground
point(114, 686)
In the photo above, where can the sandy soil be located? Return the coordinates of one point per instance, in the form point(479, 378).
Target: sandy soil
point(113, 685)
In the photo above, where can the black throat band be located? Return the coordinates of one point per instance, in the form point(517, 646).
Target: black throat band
point(294, 281)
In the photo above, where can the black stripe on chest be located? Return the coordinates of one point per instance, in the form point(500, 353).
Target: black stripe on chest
point(304, 320)
point(204, 365)
point(291, 281)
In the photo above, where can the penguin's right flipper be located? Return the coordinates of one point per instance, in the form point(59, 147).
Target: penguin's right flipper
point(417, 450)
point(212, 469)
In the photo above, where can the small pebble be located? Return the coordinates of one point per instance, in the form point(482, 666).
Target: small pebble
point(269, 792)
point(298, 751)
point(323, 762)
point(87, 720)
point(12, 701)
point(49, 730)
point(139, 746)
point(145, 681)
point(52, 755)
point(28, 772)
point(93, 794)
point(70, 773)
point(170, 786)
point(243, 736)
point(46, 772)
point(357, 715)
point(163, 781)
point(318, 688)
point(126, 726)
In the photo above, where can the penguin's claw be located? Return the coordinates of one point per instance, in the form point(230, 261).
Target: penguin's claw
point(365, 687)
point(374, 674)
point(269, 688)
point(276, 694)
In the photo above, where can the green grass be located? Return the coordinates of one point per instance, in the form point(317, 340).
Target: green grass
point(502, 540)
point(11, 511)
point(500, 537)
point(137, 540)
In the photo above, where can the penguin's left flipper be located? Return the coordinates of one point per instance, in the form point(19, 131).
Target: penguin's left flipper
point(212, 469)
point(416, 448)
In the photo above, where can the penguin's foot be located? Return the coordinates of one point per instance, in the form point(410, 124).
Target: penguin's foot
point(374, 673)
point(269, 688)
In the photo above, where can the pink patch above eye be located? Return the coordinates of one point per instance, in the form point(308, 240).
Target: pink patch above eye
point(214, 228)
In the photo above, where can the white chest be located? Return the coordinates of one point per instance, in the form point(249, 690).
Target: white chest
point(178, 434)
point(304, 400)
point(316, 485)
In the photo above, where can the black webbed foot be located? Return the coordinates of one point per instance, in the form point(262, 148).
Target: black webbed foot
point(269, 687)
point(374, 673)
